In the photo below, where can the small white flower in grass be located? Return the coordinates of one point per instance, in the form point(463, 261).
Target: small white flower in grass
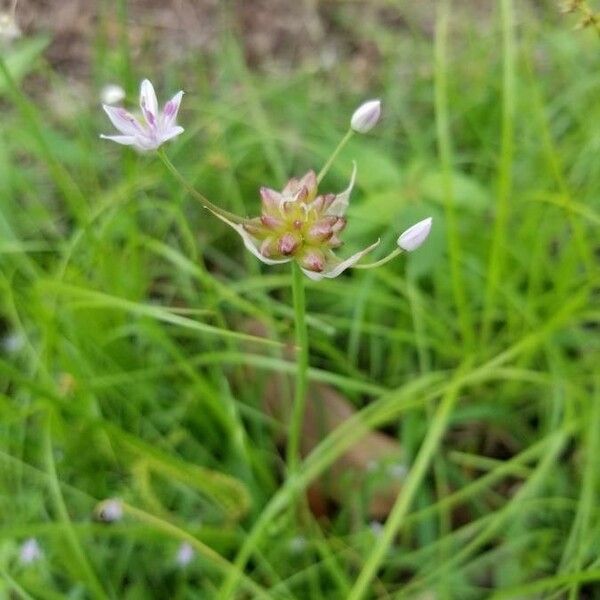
point(155, 129)
point(9, 29)
point(414, 236)
point(30, 551)
point(376, 528)
point(397, 471)
point(366, 116)
point(109, 511)
point(185, 554)
point(297, 544)
point(13, 342)
point(372, 466)
point(112, 94)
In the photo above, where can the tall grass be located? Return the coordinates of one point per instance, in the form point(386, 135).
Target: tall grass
point(128, 368)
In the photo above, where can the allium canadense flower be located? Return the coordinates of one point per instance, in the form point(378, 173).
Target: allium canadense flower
point(153, 129)
point(298, 224)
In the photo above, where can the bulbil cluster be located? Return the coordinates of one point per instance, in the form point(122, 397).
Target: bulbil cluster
point(297, 223)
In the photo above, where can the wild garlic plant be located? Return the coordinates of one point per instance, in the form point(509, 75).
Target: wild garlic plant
point(298, 225)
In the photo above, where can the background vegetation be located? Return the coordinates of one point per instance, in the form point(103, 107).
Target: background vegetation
point(121, 374)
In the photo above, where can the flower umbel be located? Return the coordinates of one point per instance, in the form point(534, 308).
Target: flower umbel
point(298, 224)
point(154, 129)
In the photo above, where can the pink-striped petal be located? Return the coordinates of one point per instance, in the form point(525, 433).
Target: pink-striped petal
point(125, 140)
point(149, 103)
point(171, 133)
point(124, 121)
point(171, 109)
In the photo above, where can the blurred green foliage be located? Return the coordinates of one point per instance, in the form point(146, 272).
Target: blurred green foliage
point(121, 374)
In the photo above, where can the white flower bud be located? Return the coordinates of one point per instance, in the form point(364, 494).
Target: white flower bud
point(9, 29)
point(112, 94)
point(110, 510)
point(414, 236)
point(365, 117)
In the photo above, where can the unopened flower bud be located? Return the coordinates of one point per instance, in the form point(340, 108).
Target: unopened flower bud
point(112, 94)
point(255, 227)
point(9, 29)
point(319, 232)
point(269, 248)
point(414, 236)
point(30, 551)
point(365, 117)
point(270, 199)
point(110, 510)
point(313, 260)
point(185, 554)
point(270, 222)
point(288, 243)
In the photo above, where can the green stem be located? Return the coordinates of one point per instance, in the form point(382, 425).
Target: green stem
point(498, 250)
point(201, 197)
point(381, 261)
point(77, 553)
point(446, 157)
point(176, 532)
point(411, 486)
point(334, 155)
point(293, 445)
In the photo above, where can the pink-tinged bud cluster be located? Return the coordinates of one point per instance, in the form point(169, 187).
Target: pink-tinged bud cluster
point(296, 223)
point(299, 224)
point(156, 127)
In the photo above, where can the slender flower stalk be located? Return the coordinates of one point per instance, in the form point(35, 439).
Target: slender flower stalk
point(194, 192)
point(297, 417)
point(364, 118)
point(334, 155)
point(408, 241)
point(382, 261)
